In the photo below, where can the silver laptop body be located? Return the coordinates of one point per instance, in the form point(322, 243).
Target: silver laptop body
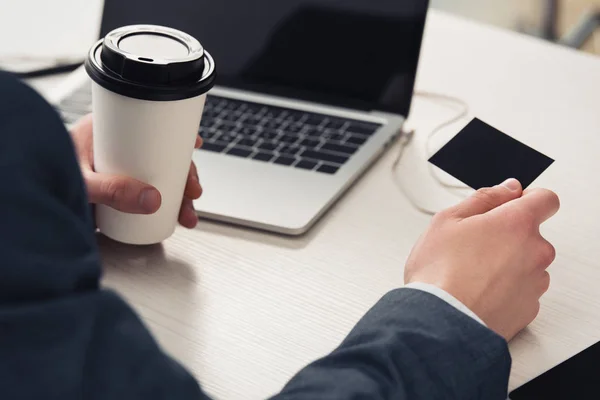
point(277, 157)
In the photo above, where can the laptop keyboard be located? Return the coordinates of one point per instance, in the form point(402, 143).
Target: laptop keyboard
point(264, 133)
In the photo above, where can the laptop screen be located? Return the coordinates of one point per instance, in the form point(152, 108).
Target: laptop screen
point(360, 54)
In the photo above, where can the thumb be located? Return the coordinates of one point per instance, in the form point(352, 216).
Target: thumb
point(487, 199)
point(122, 193)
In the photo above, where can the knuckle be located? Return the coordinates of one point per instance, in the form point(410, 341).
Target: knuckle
point(545, 282)
point(547, 197)
point(488, 196)
point(552, 198)
point(442, 216)
point(547, 254)
point(114, 190)
point(548, 194)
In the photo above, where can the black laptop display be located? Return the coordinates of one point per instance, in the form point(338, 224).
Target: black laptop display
point(359, 54)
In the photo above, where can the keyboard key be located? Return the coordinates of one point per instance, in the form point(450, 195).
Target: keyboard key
point(247, 141)
point(306, 164)
point(231, 105)
point(268, 134)
point(357, 140)
point(314, 120)
point(239, 152)
point(75, 104)
point(228, 136)
point(339, 148)
point(269, 145)
point(290, 139)
point(73, 112)
point(207, 121)
point(253, 108)
point(328, 169)
point(284, 160)
point(310, 143)
point(290, 150)
point(70, 117)
point(263, 156)
point(294, 117)
point(295, 128)
point(313, 132)
point(334, 135)
point(335, 124)
point(229, 116)
point(208, 134)
point(210, 113)
point(217, 123)
point(248, 130)
point(272, 124)
point(216, 147)
point(253, 120)
point(363, 128)
point(274, 113)
point(323, 156)
point(215, 129)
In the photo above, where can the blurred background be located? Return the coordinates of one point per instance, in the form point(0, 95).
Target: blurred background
point(556, 20)
point(572, 22)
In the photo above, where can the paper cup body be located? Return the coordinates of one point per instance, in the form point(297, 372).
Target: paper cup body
point(150, 141)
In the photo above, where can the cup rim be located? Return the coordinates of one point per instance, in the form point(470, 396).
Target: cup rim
point(143, 91)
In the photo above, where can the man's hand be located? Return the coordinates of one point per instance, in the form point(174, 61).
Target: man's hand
point(489, 254)
point(124, 193)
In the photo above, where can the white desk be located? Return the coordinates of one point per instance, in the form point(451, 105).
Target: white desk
point(245, 310)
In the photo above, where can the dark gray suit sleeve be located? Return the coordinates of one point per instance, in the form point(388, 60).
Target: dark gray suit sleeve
point(410, 345)
point(63, 337)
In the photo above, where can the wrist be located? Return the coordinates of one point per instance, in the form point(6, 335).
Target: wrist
point(446, 296)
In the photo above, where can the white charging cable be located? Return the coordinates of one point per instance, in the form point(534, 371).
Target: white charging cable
point(407, 138)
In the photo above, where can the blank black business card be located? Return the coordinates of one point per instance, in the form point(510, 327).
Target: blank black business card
point(482, 156)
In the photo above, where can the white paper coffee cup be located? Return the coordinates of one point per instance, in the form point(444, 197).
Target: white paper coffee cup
point(148, 93)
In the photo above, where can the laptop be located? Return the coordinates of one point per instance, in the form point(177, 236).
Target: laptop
point(309, 94)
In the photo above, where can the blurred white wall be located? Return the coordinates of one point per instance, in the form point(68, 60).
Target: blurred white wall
point(504, 13)
point(38, 34)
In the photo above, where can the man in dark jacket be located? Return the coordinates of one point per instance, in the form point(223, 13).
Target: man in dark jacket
point(474, 280)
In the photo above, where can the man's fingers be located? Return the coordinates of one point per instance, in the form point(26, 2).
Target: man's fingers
point(487, 199)
point(122, 193)
point(82, 134)
point(187, 214)
point(198, 143)
point(193, 190)
point(83, 125)
point(541, 203)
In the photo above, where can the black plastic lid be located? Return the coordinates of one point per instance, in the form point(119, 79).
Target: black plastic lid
point(151, 62)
